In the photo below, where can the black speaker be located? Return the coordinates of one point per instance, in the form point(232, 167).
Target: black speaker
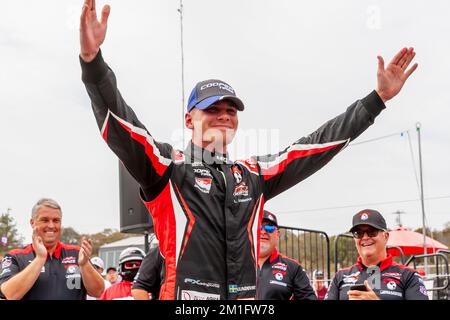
point(134, 216)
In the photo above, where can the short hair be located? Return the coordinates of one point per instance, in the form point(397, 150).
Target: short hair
point(44, 202)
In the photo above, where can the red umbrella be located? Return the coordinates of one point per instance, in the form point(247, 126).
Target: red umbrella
point(411, 242)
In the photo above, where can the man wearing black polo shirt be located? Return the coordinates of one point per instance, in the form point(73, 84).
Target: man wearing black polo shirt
point(375, 276)
point(279, 277)
point(48, 269)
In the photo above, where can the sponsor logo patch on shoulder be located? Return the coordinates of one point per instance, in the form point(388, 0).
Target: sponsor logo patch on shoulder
point(237, 173)
point(178, 156)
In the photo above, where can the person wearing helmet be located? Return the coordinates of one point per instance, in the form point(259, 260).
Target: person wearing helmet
point(147, 284)
point(99, 266)
point(130, 261)
point(319, 284)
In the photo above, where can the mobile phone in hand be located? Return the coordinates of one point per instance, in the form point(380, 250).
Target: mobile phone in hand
point(359, 287)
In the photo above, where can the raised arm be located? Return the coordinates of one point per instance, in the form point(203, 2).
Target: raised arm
point(309, 154)
point(146, 159)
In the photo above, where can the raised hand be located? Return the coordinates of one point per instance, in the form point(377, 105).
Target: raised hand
point(392, 79)
point(38, 244)
point(85, 251)
point(92, 31)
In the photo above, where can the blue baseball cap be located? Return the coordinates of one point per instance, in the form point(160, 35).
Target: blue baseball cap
point(208, 92)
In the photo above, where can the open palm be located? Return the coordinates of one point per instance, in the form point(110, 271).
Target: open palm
point(92, 31)
point(392, 79)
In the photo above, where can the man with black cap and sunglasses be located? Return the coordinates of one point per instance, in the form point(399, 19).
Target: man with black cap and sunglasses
point(375, 276)
point(279, 277)
point(207, 209)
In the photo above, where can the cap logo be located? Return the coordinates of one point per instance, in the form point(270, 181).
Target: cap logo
point(221, 86)
point(364, 216)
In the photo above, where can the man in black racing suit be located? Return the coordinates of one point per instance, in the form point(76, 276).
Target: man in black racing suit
point(207, 209)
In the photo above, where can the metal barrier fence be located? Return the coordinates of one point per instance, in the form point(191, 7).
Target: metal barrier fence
point(310, 247)
point(345, 253)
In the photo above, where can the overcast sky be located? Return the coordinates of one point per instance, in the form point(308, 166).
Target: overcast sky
point(295, 64)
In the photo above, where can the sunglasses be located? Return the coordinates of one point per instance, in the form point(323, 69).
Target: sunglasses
point(371, 232)
point(132, 264)
point(269, 228)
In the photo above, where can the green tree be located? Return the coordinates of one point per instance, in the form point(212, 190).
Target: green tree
point(8, 231)
point(70, 236)
point(106, 236)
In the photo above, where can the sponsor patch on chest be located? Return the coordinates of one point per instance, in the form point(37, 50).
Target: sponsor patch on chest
point(395, 275)
point(280, 266)
point(203, 184)
point(69, 260)
point(241, 190)
point(351, 278)
point(202, 172)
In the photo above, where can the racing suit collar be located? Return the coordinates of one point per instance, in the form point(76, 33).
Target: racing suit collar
point(196, 153)
point(383, 264)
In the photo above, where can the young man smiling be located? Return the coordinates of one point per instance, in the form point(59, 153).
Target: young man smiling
point(391, 281)
point(207, 209)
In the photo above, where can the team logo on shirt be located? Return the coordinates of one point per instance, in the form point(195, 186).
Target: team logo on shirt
point(387, 280)
point(178, 156)
point(237, 174)
point(279, 276)
point(6, 262)
point(241, 190)
point(391, 285)
point(203, 184)
point(71, 269)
